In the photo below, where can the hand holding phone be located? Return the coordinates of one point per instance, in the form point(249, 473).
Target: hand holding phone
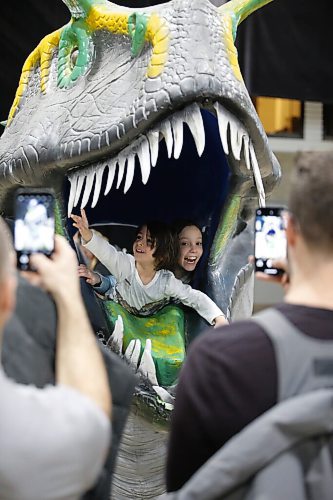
point(270, 240)
point(34, 225)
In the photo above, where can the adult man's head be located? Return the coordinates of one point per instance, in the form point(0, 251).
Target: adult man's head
point(7, 275)
point(310, 202)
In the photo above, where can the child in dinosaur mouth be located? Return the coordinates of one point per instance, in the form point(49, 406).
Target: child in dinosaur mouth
point(144, 280)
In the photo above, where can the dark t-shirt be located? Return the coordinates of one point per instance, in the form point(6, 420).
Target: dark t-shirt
point(229, 378)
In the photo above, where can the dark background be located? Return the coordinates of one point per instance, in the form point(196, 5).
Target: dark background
point(284, 48)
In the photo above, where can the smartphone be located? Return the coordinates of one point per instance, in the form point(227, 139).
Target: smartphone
point(270, 239)
point(34, 225)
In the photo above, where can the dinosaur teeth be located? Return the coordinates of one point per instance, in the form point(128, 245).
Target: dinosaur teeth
point(246, 142)
point(234, 138)
point(111, 174)
point(144, 158)
point(88, 187)
point(166, 132)
point(98, 185)
point(129, 172)
point(193, 118)
point(147, 366)
point(178, 134)
point(232, 131)
point(153, 139)
point(79, 185)
point(73, 180)
point(121, 169)
point(223, 118)
point(257, 176)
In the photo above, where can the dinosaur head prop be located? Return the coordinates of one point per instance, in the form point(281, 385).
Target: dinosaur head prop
point(103, 102)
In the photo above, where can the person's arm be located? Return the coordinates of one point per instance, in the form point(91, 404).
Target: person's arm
point(199, 301)
point(79, 362)
point(92, 277)
point(106, 285)
point(81, 223)
point(118, 263)
point(103, 285)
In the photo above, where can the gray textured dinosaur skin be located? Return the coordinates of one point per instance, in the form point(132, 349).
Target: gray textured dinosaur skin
point(113, 113)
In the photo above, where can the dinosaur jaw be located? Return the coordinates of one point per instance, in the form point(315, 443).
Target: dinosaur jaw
point(87, 183)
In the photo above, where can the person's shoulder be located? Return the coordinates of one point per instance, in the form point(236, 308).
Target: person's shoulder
point(167, 276)
point(233, 338)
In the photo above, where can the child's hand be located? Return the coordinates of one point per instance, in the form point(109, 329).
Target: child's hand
point(220, 321)
point(82, 224)
point(91, 277)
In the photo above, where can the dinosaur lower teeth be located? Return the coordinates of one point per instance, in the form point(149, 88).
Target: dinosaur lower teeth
point(233, 135)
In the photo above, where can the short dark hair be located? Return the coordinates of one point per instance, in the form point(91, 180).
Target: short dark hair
point(311, 198)
point(166, 248)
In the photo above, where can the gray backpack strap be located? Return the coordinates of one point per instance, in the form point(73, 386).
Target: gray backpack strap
point(303, 363)
point(280, 331)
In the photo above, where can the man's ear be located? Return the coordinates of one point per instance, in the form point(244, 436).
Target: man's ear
point(7, 298)
point(292, 231)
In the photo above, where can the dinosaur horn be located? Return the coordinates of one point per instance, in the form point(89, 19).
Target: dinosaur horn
point(241, 9)
point(81, 8)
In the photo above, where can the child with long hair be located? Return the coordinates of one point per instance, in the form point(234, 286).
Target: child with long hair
point(145, 282)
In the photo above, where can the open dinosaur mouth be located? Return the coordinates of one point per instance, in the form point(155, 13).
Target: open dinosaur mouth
point(104, 101)
point(142, 154)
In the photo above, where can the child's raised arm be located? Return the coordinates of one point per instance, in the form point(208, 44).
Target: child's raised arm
point(82, 224)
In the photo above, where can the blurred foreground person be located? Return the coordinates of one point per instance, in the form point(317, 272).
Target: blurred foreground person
point(54, 441)
point(283, 354)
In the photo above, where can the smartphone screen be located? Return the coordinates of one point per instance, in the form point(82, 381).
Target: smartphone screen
point(34, 225)
point(270, 239)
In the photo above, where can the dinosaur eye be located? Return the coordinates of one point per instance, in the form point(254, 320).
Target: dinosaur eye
point(74, 55)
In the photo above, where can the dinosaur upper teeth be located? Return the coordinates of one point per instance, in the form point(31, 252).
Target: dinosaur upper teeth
point(234, 138)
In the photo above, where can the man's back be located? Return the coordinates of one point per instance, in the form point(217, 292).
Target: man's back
point(230, 378)
point(49, 431)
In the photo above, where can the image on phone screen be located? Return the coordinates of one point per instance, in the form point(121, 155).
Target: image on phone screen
point(270, 239)
point(34, 226)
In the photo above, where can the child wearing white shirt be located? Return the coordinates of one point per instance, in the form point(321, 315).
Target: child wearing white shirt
point(144, 282)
